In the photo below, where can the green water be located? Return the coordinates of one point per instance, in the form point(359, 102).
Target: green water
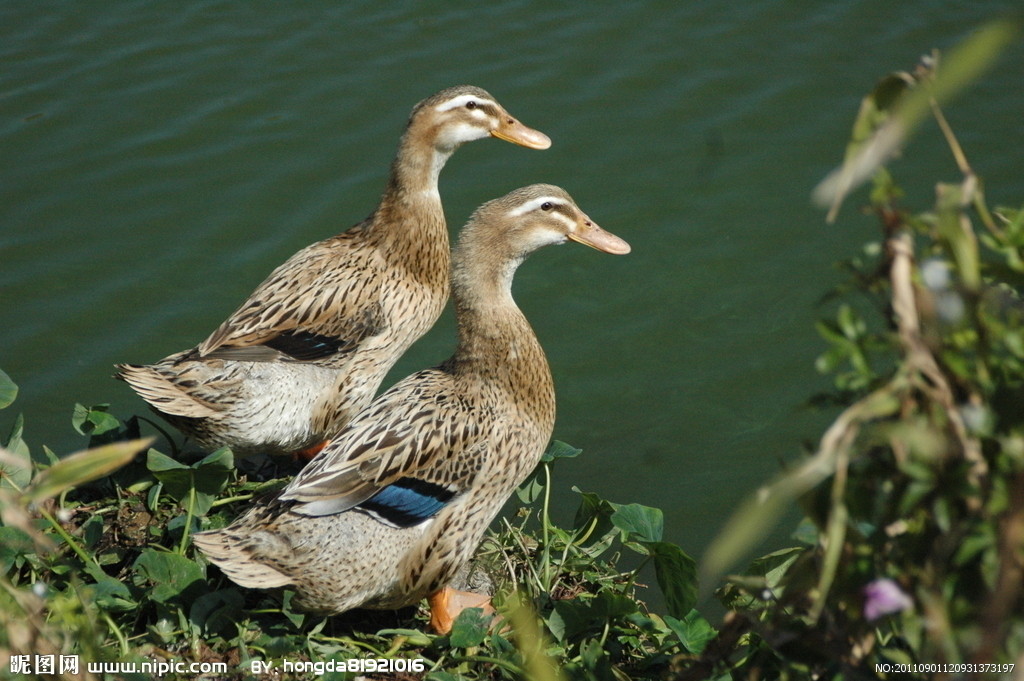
point(157, 160)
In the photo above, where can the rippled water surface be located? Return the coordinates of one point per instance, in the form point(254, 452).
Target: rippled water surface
point(159, 159)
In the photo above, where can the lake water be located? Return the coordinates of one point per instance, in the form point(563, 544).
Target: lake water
point(159, 159)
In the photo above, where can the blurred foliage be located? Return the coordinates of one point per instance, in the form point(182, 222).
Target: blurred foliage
point(99, 564)
point(912, 546)
point(911, 551)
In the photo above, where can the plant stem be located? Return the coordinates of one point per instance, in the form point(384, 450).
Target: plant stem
point(546, 554)
point(116, 630)
point(68, 539)
point(962, 163)
point(188, 520)
point(231, 500)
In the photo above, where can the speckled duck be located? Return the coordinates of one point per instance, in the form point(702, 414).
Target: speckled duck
point(397, 503)
point(311, 345)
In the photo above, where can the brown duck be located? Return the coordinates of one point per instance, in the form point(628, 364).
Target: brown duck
point(310, 346)
point(396, 504)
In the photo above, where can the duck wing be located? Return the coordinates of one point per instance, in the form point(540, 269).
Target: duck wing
point(414, 449)
point(321, 303)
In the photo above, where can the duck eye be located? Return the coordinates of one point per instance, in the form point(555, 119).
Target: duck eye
point(471, 104)
point(546, 205)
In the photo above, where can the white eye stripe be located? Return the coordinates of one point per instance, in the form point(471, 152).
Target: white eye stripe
point(535, 204)
point(462, 100)
point(569, 222)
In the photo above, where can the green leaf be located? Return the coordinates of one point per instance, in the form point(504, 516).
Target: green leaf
point(774, 566)
point(16, 462)
point(92, 531)
point(982, 539)
point(48, 458)
point(806, 532)
point(111, 594)
point(219, 460)
point(79, 417)
point(676, 573)
point(94, 420)
point(571, 618)
point(594, 515)
point(414, 637)
point(159, 463)
point(609, 605)
point(212, 472)
point(175, 477)
point(830, 360)
point(153, 497)
point(82, 467)
point(530, 490)
point(469, 628)
point(693, 631)
point(14, 543)
point(595, 657)
point(560, 450)
point(169, 574)
point(206, 477)
point(557, 623)
point(217, 611)
point(296, 618)
point(532, 487)
point(829, 330)
point(8, 390)
point(176, 525)
point(638, 522)
point(441, 676)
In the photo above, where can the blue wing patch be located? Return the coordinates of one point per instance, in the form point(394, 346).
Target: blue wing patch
point(407, 502)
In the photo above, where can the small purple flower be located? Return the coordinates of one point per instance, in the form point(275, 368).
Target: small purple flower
point(884, 597)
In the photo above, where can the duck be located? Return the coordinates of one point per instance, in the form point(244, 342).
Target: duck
point(308, 349)
point(394, 507)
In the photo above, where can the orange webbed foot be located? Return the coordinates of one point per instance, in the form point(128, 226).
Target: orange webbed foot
point(446, 604)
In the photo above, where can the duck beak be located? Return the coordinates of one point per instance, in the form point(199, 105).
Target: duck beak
point(515, 132)
point(588, 233)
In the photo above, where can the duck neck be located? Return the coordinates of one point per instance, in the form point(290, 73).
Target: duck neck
point(494, 336)
point(409, 225)
point(415, 170)
point(498, 349)
point(488, 319)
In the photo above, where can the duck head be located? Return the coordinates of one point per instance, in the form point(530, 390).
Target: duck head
point(502, 233)
point(465, 113)
point(541, 215)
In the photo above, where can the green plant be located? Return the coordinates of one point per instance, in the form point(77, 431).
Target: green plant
point(587, 604)
point(105, 570)
point(912, 544)
point(910, 552)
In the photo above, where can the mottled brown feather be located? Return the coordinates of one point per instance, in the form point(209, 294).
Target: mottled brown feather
point(476, 425)
point(309, 348)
